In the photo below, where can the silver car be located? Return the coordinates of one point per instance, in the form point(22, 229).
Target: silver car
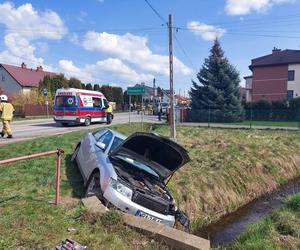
point(132, 173)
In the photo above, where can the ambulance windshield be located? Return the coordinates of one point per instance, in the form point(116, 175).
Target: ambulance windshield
point(65, 101)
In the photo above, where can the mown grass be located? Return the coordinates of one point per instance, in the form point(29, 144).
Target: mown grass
point(268, 123)
point(279, 230)
point(228, 169)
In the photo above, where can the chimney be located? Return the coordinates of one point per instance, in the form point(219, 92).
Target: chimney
point(39, 68)
point(23, 65)
point(275, 50)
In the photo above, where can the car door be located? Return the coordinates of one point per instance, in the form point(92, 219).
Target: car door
point(86, 152)
point(98, 156)
point(97, 113)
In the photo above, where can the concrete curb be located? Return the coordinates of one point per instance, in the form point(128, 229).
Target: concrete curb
point(174, 238)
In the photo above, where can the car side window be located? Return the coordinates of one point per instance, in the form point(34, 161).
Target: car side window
point(116, 142)
point(99, 133)
point(97, 103)
point(106, 138)
point(105, 103)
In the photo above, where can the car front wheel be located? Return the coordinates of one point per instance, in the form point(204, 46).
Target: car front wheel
point(93, 187)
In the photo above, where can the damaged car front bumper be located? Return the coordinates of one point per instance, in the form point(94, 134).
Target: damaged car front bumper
point(127, 205)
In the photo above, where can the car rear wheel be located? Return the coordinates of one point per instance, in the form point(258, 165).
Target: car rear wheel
point(64, 124)
point(93, 187)
point(87, 121)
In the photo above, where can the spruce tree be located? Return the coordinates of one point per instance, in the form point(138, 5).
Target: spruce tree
point(217, 96)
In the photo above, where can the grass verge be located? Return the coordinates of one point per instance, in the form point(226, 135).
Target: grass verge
point(279, 230)
point(268, 123)
point(28, 221)
point(229, 168)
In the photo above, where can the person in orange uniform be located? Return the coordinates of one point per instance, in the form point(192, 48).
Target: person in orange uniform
point(6, 111)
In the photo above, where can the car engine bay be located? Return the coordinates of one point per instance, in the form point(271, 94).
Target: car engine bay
point(148, 190)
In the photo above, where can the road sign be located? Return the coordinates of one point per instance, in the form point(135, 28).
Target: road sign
point(45, 92)
point(136, 90)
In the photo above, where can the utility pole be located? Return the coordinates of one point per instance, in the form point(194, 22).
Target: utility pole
point(153, 100)
point(172, 111)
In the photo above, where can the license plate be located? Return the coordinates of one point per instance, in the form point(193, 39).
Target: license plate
point(147, 216)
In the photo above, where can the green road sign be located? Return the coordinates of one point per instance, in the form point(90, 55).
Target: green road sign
point(136, 90)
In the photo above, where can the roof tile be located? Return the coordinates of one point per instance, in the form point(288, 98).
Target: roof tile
point(26, 77)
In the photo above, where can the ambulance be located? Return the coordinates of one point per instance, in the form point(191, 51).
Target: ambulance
point(79, 106)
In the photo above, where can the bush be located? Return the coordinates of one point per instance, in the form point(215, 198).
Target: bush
point(273, 111)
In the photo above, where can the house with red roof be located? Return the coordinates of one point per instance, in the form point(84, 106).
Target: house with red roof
point(15, 79)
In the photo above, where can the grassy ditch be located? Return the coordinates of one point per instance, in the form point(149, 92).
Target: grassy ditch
point(229, 168)
point(279, 230)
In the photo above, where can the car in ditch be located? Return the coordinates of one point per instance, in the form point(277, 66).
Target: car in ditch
point(132, 173)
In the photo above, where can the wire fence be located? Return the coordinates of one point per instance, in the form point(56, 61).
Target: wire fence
point(246, 118)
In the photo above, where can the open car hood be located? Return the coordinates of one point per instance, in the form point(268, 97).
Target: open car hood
point(160, 153)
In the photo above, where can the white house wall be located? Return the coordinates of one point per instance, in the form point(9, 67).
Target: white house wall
point(26, 90)
point(295, 85)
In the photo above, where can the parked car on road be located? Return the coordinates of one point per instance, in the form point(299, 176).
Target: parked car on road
point(164, 108)
point(132, 173)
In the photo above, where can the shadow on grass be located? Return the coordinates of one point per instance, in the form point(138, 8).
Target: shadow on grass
point(74, 177)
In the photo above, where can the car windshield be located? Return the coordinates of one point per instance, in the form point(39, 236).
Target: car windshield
point(137, 164)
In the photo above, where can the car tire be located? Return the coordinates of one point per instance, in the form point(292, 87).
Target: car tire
point(64, 124)
point(93, 187)
point(74, 155)
point(87, 121)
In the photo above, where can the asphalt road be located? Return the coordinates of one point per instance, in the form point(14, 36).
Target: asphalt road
point(29, 129)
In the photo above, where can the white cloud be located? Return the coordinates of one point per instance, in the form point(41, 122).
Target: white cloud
point(42, 47)
point(134, 50)
point(73, 38)
point(24, 24)
point(94, 72)
point(117, 67)
point(70, 70)
point(243, 7)
point(205, 31)
point(27, 22)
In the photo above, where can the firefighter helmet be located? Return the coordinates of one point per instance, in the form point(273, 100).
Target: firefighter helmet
point(3, 98)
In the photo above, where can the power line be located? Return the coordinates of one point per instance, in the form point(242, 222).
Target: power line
point(29, 30)
point(184, 52)
point(243, 34)
point(157, 13)
point(258, 20)
point(176, 39)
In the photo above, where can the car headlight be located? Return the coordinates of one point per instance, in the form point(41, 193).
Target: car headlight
point(122, 189)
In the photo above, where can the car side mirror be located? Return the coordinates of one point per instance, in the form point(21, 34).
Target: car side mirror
point(100, 145)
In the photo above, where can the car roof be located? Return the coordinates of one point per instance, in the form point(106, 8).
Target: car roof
point(115, 133)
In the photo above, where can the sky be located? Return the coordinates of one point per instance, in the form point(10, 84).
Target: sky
point(124, 42)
